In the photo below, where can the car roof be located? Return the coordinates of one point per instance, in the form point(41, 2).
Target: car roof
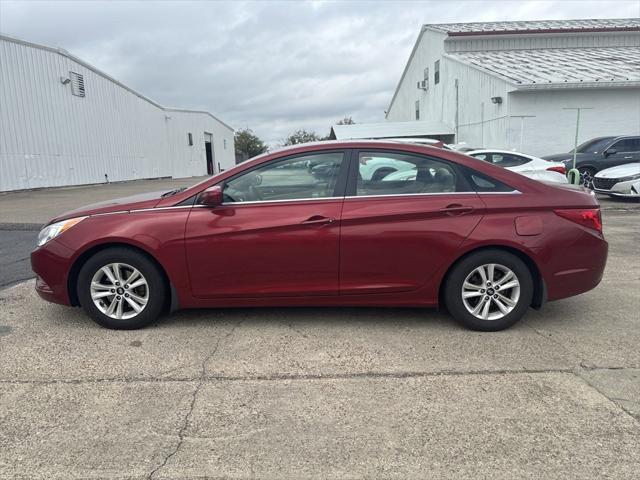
point(610, 137)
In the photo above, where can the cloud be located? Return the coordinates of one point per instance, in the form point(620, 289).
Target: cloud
point(271, 66)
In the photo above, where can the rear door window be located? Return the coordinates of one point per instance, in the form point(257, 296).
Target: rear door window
point(390, 173)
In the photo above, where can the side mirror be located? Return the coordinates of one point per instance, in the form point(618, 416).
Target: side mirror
point(211, 197)
point(610, 151)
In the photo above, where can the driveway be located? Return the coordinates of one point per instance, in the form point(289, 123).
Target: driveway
point(328, 393)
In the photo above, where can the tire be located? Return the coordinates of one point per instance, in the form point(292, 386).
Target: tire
point(379, 174)
point(148, 290)
point(586, 177)
point(466, 274)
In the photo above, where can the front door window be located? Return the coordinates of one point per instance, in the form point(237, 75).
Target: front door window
point(303, 177)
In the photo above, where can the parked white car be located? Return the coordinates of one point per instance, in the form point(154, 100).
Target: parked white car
point(377, 168)
point(527, 165)
point(541, 176)
point(620, 181)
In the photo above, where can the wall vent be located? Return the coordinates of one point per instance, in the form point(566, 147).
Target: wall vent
point(77, 84)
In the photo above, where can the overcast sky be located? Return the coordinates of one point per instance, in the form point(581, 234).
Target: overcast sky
point(270, 66)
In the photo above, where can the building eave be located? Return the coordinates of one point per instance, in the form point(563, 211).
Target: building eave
point(186, 110)
point(577, 85)
point(406, 68)
point(541, 31)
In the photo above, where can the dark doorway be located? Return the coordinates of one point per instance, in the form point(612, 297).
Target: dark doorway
point(209, 153)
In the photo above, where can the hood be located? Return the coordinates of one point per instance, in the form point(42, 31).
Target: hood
point(133, 202)
point(559, 157)
point(620, 171)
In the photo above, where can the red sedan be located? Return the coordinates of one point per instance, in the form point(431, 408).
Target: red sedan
point(302, 227)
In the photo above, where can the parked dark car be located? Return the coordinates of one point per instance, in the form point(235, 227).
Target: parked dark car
point(600, 153)
point(475, 237)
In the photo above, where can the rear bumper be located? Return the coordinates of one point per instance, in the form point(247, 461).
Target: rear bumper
point(576, 270)
point(51, 264)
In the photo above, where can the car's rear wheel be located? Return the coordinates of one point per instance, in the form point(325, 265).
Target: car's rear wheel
point(121, 288)
point(489, 290)
point(586, 177)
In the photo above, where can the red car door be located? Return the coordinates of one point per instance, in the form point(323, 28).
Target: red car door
point(276, 234)
point(398, 231)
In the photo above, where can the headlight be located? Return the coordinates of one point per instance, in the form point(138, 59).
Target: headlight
point(52, 231)
point(629, 178)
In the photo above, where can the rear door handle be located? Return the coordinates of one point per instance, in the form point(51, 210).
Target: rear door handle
point(319, 220)
point(455, 209)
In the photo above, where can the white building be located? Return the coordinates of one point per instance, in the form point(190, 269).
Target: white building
point(511, 84)
point(64, 122)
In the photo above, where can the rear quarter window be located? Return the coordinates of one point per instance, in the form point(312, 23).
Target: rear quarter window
point(483, 183)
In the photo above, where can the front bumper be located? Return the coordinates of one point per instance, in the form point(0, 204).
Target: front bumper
point(51, 263)
point(630, 188)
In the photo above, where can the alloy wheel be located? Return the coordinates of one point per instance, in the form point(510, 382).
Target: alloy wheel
point(491, 291)
point(586, 179)
point(119, 291)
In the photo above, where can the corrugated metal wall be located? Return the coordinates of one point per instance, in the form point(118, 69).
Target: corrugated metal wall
point(49, 137)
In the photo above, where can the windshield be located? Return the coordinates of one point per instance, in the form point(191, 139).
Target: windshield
point(594, 146)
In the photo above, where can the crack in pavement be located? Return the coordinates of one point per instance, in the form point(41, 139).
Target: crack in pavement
point(201, 382)
point(611, 399)
point(314, 376)
point(585, 365)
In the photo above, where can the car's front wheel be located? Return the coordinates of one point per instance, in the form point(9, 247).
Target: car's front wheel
point(489, 290)
point(121, 288)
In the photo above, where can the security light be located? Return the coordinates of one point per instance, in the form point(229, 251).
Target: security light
point(496, 99)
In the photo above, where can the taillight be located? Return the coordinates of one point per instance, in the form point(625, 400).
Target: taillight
point(559, 169)
point(589, 217)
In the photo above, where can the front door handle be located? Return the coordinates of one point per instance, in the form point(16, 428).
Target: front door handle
point(456, 209)
point(319, 220)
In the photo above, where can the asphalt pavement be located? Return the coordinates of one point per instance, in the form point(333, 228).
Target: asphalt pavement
point(16, 243)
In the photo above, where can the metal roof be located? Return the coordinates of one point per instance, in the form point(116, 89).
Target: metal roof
point(64, 53)
point(390, 130)
point(538, 26)
point(559, 67)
